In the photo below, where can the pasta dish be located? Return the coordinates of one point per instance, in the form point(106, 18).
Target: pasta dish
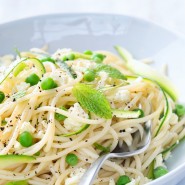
point(60, 112)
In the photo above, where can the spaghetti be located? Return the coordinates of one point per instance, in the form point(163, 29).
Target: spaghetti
point(45, 117)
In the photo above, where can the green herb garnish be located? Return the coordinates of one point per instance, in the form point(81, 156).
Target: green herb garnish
point(102, 148)
point(92, 100)
point(18, 52)
point(18, 95)
point(67, 69)
point(112, 72)
point(3, 122)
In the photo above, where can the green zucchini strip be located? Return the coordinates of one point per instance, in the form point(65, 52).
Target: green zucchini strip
point(10, 69)
point(18, 64)
point(84, 127)
point(150, 174)
point(144, 70)
point(126, 114)
point(167, 113)
point(168, 109)
point(9, 160)
point(173, 146)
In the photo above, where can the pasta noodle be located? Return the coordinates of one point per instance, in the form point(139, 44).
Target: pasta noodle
point(36, 109)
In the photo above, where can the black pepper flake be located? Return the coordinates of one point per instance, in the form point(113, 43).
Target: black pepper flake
point(121, 131)
point(14, 100)
point(70, 139)
point(1, 128)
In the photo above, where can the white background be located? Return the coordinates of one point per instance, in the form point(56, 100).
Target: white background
point(168, 13)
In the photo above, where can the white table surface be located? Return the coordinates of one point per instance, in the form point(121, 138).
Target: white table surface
point(168, 13)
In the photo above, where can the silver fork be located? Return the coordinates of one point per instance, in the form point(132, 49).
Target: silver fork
point(119, 152)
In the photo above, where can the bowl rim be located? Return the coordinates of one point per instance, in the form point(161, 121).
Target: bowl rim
point(146, 21)
point(138, 19)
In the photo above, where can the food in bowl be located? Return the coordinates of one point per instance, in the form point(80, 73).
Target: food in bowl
point(60, 112)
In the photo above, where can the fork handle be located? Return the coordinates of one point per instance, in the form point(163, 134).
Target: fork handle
point(91, 173)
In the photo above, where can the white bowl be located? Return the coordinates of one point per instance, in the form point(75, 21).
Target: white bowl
point(100, 31)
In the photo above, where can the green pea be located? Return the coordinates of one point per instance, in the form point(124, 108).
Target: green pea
point(89, 75)
point(2, 96)
point(26, 139)
point(48, 59)
point(160, 171)
point(124, 179)
point(142, 114)
point(33, 79)
point(64, 58)
point(99, 55)
point(48, 83)
point(71, 56)
point(88, 52)
point(71, 159)
point(60, 117)
point(179, 110)
point(98, 58)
